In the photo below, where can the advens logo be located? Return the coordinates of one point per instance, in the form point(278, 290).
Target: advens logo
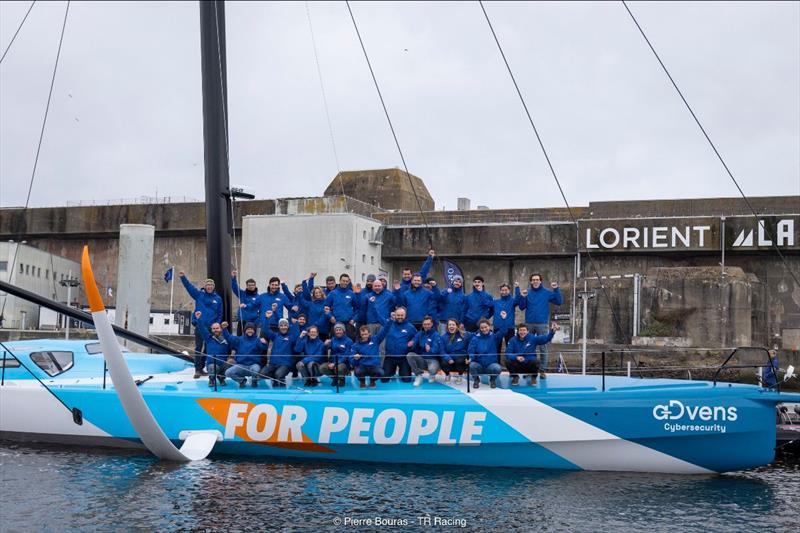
point(692, 417)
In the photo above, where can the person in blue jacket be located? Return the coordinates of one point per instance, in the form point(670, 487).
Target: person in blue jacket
point(217, 351)
point(247, 361)
point(425, 352)
point(363, 297)
point(365, 358)
point(294, 300)
point(344, 305)
point(272, 300)
point(406, 274)
point(312, 351)
point(483, 355)
point(479, 304)
point(454, 350)
point(314, 299)
point(521, 352)
point(416, 299)
point(399, 335)
point(453, 301)
point(339, 356)
point(536, 303)
point(207, 310)
point(379, 305)
point(433, 308)
point(504, 312)
point(281, 361)
point(248, 301)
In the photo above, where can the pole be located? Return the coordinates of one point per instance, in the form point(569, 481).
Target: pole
point(636, 303)
point(69, 303)
point(215, 145)
point(171, 291)
point(583, 320)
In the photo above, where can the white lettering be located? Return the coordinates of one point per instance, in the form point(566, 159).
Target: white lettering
point(254, 417)
point(399, 419)
point(589, 239)
point(334, 420)
point(359, 425)
point(614, 242)
point(705, 413)
point(661, 412)
point(292, 420)
point(702, 235)
point(630, 237)
point(732, 414)
point(683, 237)
point(660, 237)
point(470, 427)
point(446, 428)
point(423, 423)
point(234, 420)
point(762, 237)
point(784, 232)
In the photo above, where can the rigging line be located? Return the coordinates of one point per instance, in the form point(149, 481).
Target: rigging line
point(17, 32)
point(391, 126)
point(41, 138)
point(325, 103)
point(552, 169)
point(711, 143)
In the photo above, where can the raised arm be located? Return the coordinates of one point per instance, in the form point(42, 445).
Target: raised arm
point(193, 291)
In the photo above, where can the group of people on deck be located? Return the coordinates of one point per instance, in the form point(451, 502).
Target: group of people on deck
point(413, 329)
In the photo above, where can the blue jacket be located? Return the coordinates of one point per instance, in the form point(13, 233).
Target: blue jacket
point(380, 307)
point(314, 350)
point(361, 300)
point(455, 346)
point(452, 304)
point(216, 348)
point(248, 349)
point(537, 304)
point(423, 272)
point(210, 305)
point(282, 346)
point(507, 304)
point(369, 351)
point(480, 304)
point(248, 313)
point(483, 349)
point(265, 301)
point(316, 314)
point(527, 346)
point(343, 304)
point(427, 338)
point(340, 346)
point(417, 302)
point(292, 300)
point(397, 337)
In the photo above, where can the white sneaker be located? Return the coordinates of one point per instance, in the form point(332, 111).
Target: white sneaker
point(431, 378)
point(418, 381)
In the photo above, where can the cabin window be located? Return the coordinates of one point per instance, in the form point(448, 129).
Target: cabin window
point(8, 361)
point(3, 266)
point(53, 363)
point(94, 348)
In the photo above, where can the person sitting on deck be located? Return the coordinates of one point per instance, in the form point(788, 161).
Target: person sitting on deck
point(312, 350)
point(399, 335)
point(207, 310)
point(339, 345)
point(247, 361)
point(217, 351)
point(454, 350)
point(426, 350)
point(281, 361)
point(366, 358)
point(521, 352)
point(483, 355)
point(248, 301)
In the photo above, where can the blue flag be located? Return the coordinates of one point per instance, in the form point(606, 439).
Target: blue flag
point(451, 270)
point(168, 274)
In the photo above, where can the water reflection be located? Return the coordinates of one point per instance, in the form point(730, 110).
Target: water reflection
point(49, 487)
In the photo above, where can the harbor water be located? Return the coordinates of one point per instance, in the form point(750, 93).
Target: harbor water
point(59, 488)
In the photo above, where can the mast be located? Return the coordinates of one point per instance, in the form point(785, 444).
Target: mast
point(215, 144)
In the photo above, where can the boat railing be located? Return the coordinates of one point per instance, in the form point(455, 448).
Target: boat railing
point(770, 364)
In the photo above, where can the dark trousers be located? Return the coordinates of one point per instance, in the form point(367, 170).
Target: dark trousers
point(459, 364)
point(504, 336)
point(199, 348)
point(278, 373)
point(393, 364)
point(362, 371)
point(527, 367)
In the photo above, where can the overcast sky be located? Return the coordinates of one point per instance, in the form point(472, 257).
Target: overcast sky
point(126, 121)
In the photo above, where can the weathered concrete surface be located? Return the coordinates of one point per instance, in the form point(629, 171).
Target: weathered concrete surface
point(385, 188)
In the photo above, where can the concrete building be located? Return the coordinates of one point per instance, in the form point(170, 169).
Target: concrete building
point(708, 275)
point(37, 271)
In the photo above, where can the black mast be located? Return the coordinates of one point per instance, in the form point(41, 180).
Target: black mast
point(215, 143)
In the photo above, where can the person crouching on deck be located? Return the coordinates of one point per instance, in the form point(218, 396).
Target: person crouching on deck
point(281, 361)
point(340, 345)
point(366, 358)
point(217, 351)
point(425, 352)
point(248, 348)
point(521, 352)
point(483, 355)
point(454, 350)
point(312, 350)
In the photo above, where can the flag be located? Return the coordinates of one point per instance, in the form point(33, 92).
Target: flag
point(451, 269)
point(168, 274)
